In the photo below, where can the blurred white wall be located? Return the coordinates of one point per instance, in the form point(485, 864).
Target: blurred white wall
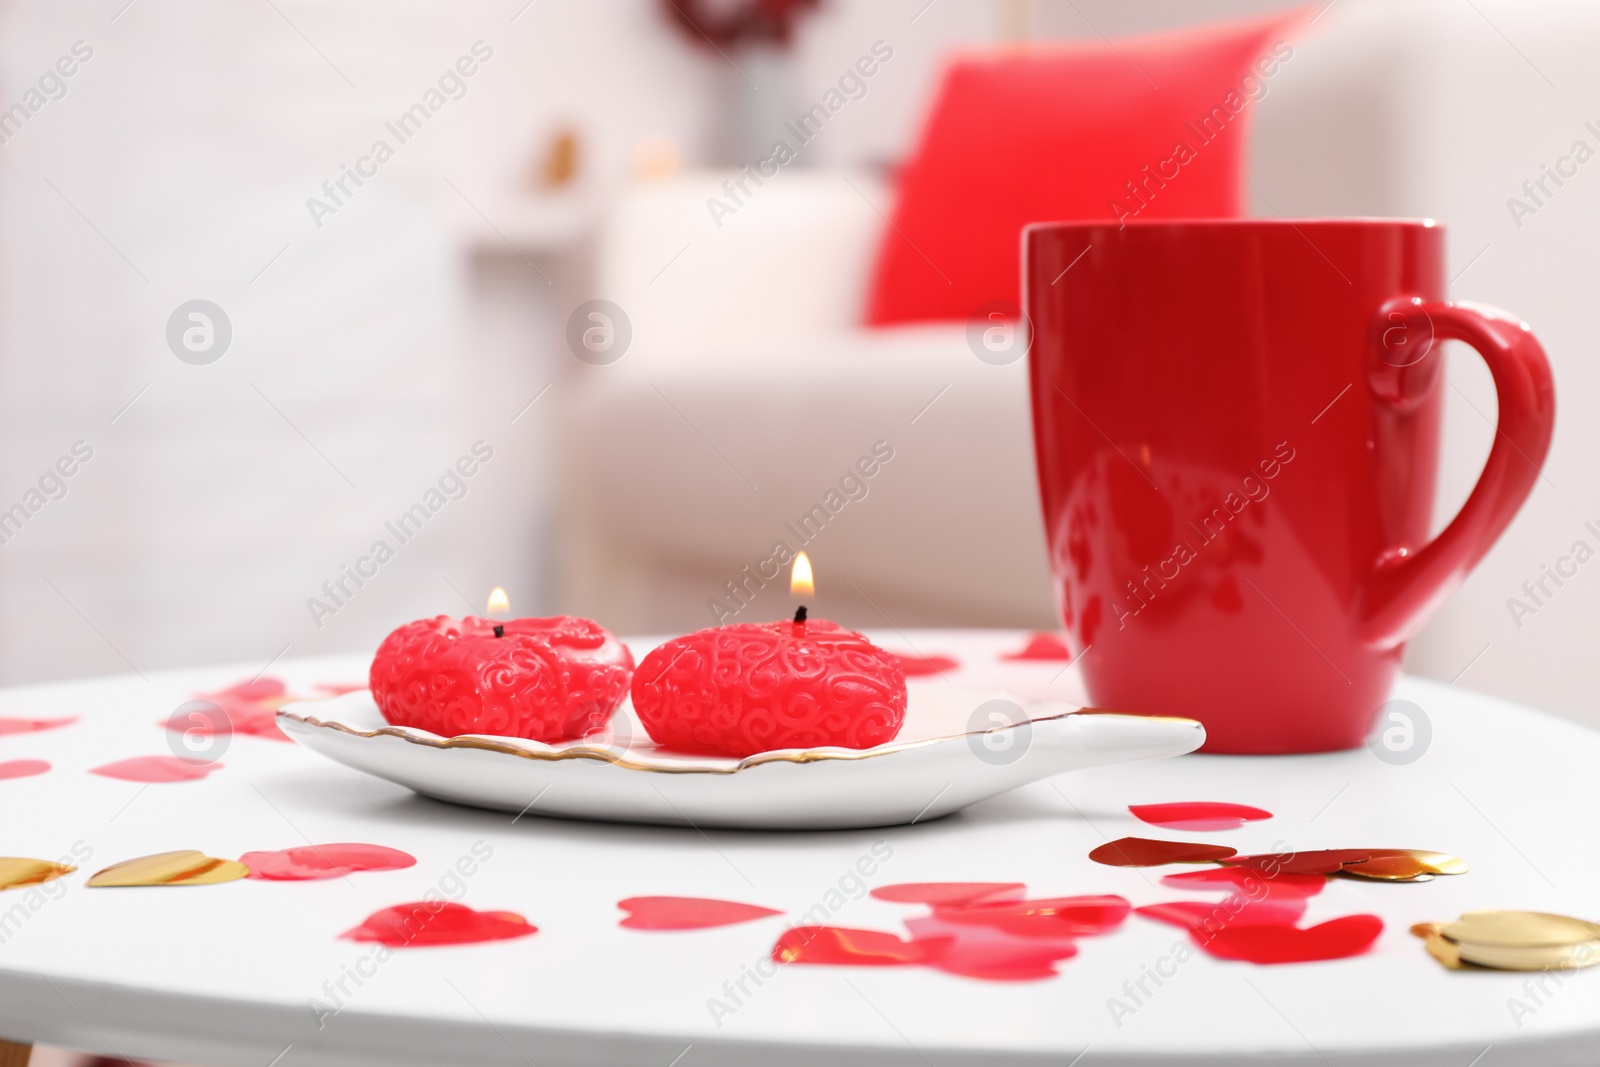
point(1435, 108)
point(368, 354)
point(880, 128)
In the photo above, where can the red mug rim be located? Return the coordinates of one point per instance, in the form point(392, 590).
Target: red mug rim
point(1323, 222)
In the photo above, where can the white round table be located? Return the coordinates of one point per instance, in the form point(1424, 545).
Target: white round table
point(226, 974)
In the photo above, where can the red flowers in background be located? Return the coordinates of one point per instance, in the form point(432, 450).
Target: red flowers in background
point(738, 22)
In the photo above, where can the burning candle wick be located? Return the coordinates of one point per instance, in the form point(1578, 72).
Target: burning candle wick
point(499, 630)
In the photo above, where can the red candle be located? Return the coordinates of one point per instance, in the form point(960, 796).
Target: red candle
point(545, 679)
point(753, 687)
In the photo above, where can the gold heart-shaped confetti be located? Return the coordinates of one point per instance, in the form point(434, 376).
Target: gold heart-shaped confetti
point(1383, 864)
point(186, 867)
point(1520, 928)
point(1405, 865)
point(1447, 952)
point(1513, 941)
point(18, 871)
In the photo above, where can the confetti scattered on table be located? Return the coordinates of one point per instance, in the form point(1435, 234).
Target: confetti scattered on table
point(842, 945)
point(19, 871)
point(1382, 864)
point(423, 923)
point(22, 768)
point(1199, 816)
point(1248, 881)
point(987, 952)
point(1405, 865)
point(310, 862)
point(1258, 921)
point(687, 913)
point(1267, 897)
point(1042, 646)
point(28, 726)
point(917, 666)
point(1317, 861)
point(1079, 916)
point(983, 930)
point(157, 769)
point(1147, 852)
point(185, 867)
point(1203, 915)
point(249, 708)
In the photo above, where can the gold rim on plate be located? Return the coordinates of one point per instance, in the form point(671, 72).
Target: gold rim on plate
point(487, 744)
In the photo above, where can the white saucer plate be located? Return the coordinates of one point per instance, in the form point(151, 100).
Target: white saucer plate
point(957, 747)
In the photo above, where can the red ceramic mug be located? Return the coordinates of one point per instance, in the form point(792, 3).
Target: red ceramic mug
point(1237, 431)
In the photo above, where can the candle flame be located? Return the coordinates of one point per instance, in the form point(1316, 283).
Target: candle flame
point(499, 603)
point(800, 581)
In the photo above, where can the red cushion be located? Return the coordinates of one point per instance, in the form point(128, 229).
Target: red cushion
point(1058, 133)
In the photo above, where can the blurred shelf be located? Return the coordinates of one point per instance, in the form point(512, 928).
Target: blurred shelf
point(529, 224)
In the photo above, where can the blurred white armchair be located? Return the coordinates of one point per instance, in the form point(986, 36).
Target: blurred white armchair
point(750, 391)
point(750, 388)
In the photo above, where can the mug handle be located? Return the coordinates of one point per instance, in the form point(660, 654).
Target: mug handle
point(1406, 585)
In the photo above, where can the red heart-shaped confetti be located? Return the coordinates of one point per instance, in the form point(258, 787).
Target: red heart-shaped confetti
point(1349, 935)
point(1249, 881)
point(1201, 916)
point(1317, 861)
point(842, 945)
point(1199, 815)
point(201, 721)
point(687, 913)
point(1147, 852)
point(421, 923)
point(247, 708)
point(28, 726)
point(1046, 917)
point(156, 769)
point(985, 930)
point(23, 768)
point(988, 953)
point(310, 862)
point(921, 666)
point(949, 894)
point(1042, 646)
